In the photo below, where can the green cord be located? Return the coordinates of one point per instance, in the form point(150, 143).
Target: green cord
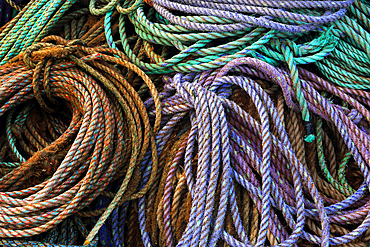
point(31, 25)
point(348, 64)
point(342, 186)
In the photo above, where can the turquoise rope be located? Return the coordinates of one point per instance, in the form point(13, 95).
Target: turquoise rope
point(348, 65)
point(255, 42)
point(35, 21)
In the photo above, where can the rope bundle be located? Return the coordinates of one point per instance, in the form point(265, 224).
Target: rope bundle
point(102, 135)
point(347, 65)
point(214, 153)
point(238, 15)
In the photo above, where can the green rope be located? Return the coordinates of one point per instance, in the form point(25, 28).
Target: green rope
point(30, 26)
point(342, 171)
point(342, 186)
point(250, 42)
point(348, 64)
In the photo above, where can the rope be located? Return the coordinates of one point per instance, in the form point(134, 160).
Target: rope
point(347, 64)
point(241, 147)
point(104, 132)
point(236, 11)
point(199, 51)
point(205, 47)
point(206, 128)
point(32, 23)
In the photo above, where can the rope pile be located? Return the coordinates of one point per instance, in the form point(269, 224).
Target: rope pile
point(348, 64)
point(56, 167)
point(185, 123)
point(235, 166)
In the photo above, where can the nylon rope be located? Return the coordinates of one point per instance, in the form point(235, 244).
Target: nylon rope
point(185, 123)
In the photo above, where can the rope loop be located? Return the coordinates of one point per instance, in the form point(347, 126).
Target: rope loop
point(101, 132)
point(123, 8)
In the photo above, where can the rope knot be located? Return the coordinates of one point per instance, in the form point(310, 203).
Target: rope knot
point(40, 58)
point(293, 47)
point(44, 51)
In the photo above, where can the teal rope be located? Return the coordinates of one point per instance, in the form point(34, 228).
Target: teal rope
point(348, 64)
point(198, 51)
point(297, 87)
point(34, 22)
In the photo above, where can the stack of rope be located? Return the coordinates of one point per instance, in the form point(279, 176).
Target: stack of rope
point(235, 169)
point(94, 131)
point(185, 123)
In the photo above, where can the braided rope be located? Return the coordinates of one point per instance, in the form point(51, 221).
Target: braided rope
point(347, 65)
point(246, 150)
point(265, 10)
point(96, 130)
point(32, 23)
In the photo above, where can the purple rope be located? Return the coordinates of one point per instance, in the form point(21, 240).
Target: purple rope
point(221, 132)
point(236, 12)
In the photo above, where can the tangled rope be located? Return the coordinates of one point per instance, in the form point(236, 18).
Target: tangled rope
point(220, 157)
point(103, 134)
point(218, 147)
point(203, 50)
point(230, 16)
point(32, 24)
point(199, 51)
point(347, 65)
point(233, 15)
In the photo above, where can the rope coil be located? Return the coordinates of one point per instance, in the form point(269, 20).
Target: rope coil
point(237, 13)
point(230, 147)
point(102, 140)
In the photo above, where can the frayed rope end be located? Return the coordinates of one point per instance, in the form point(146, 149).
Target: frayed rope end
point(309, 138)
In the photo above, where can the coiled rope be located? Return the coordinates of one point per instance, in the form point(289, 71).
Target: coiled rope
point(32, 24)
point(347, 65)
point(209, 145)
point(261, 14)
point(106, 137)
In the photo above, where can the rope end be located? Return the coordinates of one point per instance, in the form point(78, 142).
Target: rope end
point(310, 137)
